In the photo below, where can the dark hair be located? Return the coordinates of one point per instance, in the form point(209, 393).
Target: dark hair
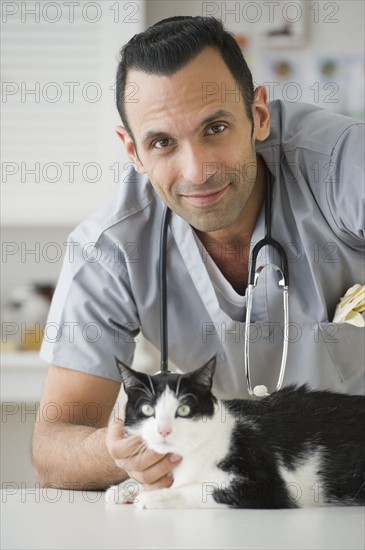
point(168, 45)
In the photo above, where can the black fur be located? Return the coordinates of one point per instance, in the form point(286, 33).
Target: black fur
point(291, 423)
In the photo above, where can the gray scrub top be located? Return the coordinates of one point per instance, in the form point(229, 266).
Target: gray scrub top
point(108, 289)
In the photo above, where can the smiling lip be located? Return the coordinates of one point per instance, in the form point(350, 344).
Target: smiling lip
point(204, 199)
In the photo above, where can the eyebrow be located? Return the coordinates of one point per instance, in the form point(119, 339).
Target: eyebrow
point(221, 113)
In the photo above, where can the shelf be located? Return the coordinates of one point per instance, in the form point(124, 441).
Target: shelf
point(23, 374)
point(21, 359)
point(22, 377)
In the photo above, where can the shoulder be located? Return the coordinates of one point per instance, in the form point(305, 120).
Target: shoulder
point(135, 196)
point(320, 154)
point(121, 223)
point(305, 126)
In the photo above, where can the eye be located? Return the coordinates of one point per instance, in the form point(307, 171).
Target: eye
point(164, 141)
point(183, 410)
point(217, 126)
point(147, 409)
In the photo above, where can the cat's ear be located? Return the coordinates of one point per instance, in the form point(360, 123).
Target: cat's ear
point(204, 375)
point(130, 378)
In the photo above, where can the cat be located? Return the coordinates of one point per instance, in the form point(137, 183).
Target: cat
point(294, 448)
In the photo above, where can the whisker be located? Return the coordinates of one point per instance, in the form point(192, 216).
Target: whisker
point(150, 381)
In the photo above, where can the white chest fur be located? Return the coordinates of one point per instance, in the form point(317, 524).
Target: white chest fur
point(198, 475)
point(202, 442)
point(200, 465)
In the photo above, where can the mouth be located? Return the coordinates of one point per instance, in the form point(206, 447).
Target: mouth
point(165, 442)
point(203, 199)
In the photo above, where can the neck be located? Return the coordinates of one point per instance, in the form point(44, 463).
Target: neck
point(229, 248)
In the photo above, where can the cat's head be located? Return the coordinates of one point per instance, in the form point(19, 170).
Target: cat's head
point(169, 411)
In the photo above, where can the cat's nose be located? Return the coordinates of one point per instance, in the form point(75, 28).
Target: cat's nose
point(164, 431)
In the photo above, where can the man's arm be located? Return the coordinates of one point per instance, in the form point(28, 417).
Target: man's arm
point(72, 446)
point(69, 439)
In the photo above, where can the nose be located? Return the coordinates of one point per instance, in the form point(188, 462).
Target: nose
point(198, 166)
point(165, 431)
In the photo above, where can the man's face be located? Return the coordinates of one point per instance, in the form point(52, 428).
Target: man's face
point(194, 140)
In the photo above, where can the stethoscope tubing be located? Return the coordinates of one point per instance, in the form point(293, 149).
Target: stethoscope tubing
point(163, 291)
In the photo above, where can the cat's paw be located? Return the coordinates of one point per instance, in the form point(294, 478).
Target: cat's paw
point(125, 493)
point(153, 499)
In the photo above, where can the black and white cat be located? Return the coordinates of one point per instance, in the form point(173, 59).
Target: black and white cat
point(294, 448)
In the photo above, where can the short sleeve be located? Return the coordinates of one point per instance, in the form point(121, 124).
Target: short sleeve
point(345, 187)
point(93, 317)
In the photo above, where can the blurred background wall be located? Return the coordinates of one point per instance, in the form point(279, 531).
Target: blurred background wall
point(61, 157)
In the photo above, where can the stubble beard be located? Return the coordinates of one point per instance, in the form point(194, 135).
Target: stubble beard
point(225, 212)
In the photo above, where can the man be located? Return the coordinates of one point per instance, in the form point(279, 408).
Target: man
point(204, 142)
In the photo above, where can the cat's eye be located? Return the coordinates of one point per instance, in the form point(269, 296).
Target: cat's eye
point(183, 410)
point(147, 409)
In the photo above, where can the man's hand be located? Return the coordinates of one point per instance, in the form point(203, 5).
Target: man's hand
point(151, 469)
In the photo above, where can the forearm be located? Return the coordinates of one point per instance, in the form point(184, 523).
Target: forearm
point(70, 456)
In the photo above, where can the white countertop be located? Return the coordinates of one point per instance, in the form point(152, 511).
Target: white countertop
point(51, 518)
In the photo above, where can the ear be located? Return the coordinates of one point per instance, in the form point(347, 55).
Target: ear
point(130, 378)
point(261, 115)
point(130, 148)
point(204, 375)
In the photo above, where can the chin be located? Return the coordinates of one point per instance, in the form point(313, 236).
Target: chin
point(163, 448)
point(210, 224)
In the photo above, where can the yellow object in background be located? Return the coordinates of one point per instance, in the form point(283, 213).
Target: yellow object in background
point(351, 306)
point(31, 338)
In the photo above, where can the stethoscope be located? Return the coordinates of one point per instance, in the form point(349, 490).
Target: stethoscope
point(259, 390)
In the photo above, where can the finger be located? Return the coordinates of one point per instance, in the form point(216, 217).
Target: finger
point(116, 426)
point(118, 444)
point(123, 448)
point(155, 472)
point(121, 414)
point(140, 459)
point(163, 483)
